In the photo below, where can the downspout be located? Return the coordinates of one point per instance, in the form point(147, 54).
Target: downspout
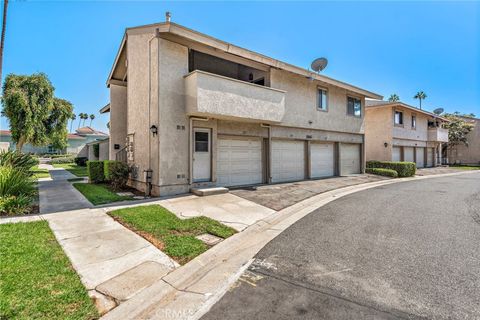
point(269, 162)
point(190, 147)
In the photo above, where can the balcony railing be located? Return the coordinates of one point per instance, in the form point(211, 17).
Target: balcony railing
point(221, 97)
point(438, 134)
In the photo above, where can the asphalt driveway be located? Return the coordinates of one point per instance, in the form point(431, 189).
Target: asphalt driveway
point(402, 251)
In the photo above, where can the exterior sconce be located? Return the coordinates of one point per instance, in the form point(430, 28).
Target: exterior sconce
point(154, 130)
point(385, 144)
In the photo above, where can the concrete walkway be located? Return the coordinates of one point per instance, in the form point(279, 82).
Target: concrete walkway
point(57, 194)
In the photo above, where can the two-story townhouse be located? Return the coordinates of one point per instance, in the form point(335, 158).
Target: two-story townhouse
point(467, 153)
point(189, 110)
point(395, 131)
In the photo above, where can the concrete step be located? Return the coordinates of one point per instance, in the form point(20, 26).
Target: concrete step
point(209, 191)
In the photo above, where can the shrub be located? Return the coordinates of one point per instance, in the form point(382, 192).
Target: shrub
point(117, 173)
point(69, 159)
point(14, 182)
point(95, 171)
point(17, 160)
point(96, 150)
point(15, 205)
point(404, 169)
point(382, 172)
point(81, 161)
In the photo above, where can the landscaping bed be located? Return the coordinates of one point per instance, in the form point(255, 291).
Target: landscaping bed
point(73, 168)
point(37, 279)
point(99, 193)
point(40, 173)
point(172, 235)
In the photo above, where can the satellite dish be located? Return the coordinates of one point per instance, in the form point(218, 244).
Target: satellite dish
point(319, 64)
point(438, 111)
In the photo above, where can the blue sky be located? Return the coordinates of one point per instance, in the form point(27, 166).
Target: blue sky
point(384, 47)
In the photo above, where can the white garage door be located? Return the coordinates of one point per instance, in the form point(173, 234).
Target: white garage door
point(430, 157)
point(420, 153)
point(397, 154)
point(321, 160)
point(288, 161)
point(408, 154)
point(350, 158)
point(239, 162)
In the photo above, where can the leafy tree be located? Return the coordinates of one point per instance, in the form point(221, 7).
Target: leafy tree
point(458, 128)
point(420, 96)
point(92, 116)
point(73, 116)
point(394, 98)
point(34, 114)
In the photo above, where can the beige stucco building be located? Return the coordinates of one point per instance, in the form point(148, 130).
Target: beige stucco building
point(470, 153)
point(190, 110)
point(395, 131)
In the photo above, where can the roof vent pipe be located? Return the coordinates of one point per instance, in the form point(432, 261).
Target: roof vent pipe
point(168, 16)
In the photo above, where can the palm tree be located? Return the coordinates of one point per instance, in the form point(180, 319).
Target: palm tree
point(80, 117)
point(85, 117)
point(420, 96)
point(92, 116)
point(2, 40)
point(394, 98)
point(72, 117)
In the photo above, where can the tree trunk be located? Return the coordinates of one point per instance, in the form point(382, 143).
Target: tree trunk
point(20, 144)
point(2, 40)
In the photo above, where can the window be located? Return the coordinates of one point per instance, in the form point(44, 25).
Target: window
point(322, 100)
point(201, 141)
point(414, 122)
point(354, 107)
point(399, 118)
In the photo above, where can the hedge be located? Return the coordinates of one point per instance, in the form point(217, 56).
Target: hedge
point(95, 171)
point(116, 173)
point(81, 161)
point(382, 172)
point(69, 159)
point(404, 169)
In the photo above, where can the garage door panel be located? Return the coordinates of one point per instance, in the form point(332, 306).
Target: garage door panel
point(288, 161)
point(420, 157)
point(350, 158)
point(408, 154)
point(430, 157)
point(322, 160)
point(397, 154)
point(239, 162)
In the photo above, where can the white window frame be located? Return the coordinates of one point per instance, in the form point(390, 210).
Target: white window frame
point(361, 107)
point(398, 124)
point(321, 90)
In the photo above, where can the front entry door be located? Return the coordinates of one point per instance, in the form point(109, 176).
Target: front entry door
point(202, 155)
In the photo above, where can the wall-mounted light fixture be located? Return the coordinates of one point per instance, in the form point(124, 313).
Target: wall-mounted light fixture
point(154, 130)
point(385, 144)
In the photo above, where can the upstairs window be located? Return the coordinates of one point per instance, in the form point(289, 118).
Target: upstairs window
point(398, 118)
point(322, 99)
point(354, 107)
point(414, 122)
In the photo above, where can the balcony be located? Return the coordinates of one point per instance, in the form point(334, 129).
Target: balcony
point(437, 134)
point(211, 95)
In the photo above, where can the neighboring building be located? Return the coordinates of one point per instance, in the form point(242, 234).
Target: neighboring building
point(76, 142)
point(198, 111)
point(395, 131)
point(467, 154)
point(102, 152)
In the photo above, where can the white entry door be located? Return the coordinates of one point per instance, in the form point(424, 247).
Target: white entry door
point(239, 161)
point(288, 160)
point(408, 154)
point(349, 158)
point(420, 158)
point(322, 162)
point(202, 155)
point(396, 154)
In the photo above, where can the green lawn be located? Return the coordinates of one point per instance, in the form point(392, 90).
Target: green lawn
point(73, 168)
point(40, 173)
point(174, 236)
point(98, 193)
point(37, 279)
point(466, 167)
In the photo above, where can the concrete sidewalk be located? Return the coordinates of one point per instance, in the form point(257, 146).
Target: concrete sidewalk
point(190, 291)
point(113, 262)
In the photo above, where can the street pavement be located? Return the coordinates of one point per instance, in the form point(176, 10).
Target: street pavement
point(403, 251)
